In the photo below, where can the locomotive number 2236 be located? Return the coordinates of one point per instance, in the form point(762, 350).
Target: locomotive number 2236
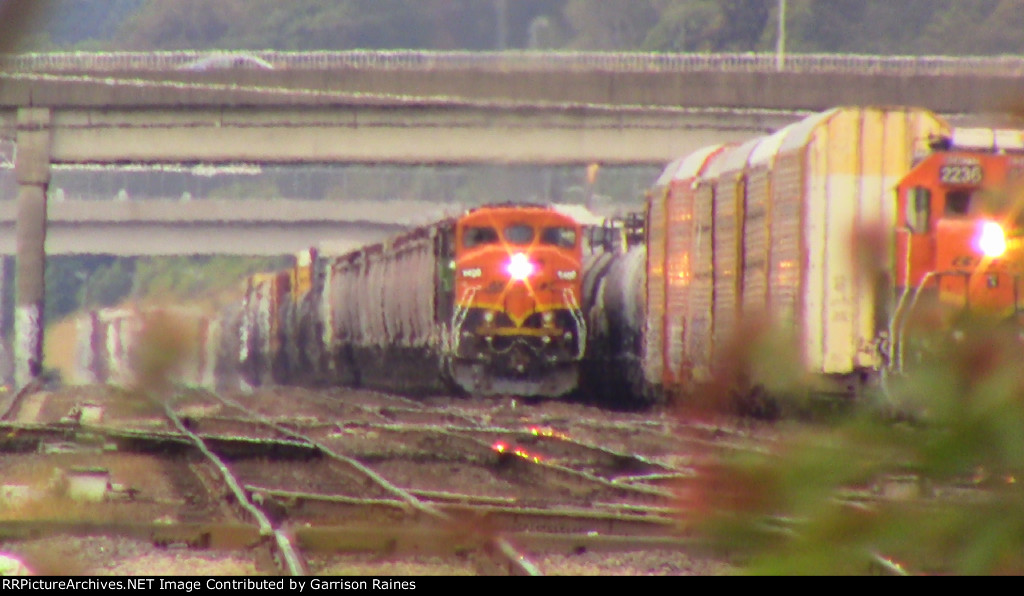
point(960, 174)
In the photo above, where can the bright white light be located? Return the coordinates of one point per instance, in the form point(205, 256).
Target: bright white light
point(519, 267)
point(992, 240)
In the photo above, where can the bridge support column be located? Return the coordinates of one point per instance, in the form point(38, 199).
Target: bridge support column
point(32, 168)
point(5, 352)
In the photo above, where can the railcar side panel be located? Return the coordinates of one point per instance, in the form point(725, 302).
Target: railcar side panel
point(657, 227)
point(730, 186)
point(872, 285)
point(679, 257)
point(757, 244)
point(815, 207)
point(786, 258)
point(699, 316)
point(679, 275)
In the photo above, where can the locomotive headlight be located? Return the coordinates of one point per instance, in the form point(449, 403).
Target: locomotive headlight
point(519, 267)
point(488, 316)
point(569, 275)
point(548, 317)
point(472, 272)
point(992, 240)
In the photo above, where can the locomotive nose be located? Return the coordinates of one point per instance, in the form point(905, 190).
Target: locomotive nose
point(519, 303)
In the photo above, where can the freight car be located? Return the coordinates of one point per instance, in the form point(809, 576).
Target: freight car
point(132, 344)
point(488, 302)
point(774, 231)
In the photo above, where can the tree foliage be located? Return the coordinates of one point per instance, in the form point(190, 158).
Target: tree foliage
point(935, 490)
point(955, 27)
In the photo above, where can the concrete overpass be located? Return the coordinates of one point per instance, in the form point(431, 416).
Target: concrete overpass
point(430, 107)
point(203, 227)
point(810, 82)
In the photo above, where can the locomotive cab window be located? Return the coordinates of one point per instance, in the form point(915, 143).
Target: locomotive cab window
point(478, 235)
point(519, 234)
point(919, 201)
point(561, 236)
point(958, 202)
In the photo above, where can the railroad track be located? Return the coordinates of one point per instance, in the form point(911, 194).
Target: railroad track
point(301, 482)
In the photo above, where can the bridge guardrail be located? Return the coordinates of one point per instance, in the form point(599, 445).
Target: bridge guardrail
point(1005, 66)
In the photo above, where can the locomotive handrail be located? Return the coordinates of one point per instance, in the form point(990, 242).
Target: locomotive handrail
point(460, 317)
point(577, 314)
point(532, 60)
point(902, 324)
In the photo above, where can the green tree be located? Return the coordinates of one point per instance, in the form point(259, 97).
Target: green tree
point(686, 27)
point(974, 27)
point(825, 25)
point(183, 24)
point(610, 24)
point(935, 490)
point(108, 285)
point(330, 25)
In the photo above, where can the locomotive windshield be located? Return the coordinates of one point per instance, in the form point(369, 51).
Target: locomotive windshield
point(561, 236)
point(478, 235)
point(958, 202)
point(519, 234)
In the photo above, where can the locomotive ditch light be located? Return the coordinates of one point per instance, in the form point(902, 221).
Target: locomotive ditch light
point(519, 267)
point(992, 240)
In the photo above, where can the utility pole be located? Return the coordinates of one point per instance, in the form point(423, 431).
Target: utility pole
point(780, 38)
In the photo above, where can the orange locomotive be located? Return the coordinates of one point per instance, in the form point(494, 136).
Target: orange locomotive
point(954, 211)
point(517, 327)
point(960, 228)
point(487, 302)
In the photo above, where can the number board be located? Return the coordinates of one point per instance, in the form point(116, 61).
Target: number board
point(961, 174)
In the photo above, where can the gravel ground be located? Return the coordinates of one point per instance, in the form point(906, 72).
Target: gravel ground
point(654, 562)
point(651, 434)
point(99, 555)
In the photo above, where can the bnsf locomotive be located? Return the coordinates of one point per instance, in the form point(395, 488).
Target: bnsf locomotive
point(959, 238)
point(778, 230)
point(488, 302)
point(516, 326)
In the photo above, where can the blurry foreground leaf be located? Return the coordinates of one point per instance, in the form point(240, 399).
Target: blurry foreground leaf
point(940, 494)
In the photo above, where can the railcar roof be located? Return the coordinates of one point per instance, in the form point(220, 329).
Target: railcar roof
point(733, 159)
point(693, 164)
